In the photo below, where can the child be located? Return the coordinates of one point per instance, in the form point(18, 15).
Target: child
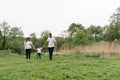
point(39, 52)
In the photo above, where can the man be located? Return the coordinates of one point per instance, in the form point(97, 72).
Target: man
point(51, 44)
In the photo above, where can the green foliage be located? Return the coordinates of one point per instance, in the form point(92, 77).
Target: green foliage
point(81, 38)
point(5, 52)
point(44, 36)
point(115, 23)
point(60, 42)
point(78, 35)
point(5, 31)
point(34, 39)
point(96, 32)
point(15, 40)
point(110, 34)
point(16, 44)
point(0, 40)
point(15, 32)
point(74, 28)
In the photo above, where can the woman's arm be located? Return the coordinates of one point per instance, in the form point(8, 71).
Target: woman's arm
point(33, 46)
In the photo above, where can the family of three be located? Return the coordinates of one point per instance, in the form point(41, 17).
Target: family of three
point(28, 46)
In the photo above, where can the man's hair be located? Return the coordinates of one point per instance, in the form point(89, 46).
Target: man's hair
point(50, 33)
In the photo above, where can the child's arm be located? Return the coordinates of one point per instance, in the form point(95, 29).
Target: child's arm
point(35, 49)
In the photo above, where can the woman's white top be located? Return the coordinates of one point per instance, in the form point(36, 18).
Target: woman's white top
point(51, 41)
point(28, 45)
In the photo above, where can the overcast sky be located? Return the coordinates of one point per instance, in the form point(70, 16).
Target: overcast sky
point(35, 16)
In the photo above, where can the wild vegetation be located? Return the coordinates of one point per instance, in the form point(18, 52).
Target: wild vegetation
point(63, 67)
point(91, 53)
point(12, 38)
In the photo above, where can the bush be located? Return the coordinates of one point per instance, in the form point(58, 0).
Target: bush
point(5, 51)
point(93, 54)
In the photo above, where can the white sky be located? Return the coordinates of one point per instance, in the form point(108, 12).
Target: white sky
point(35, 16)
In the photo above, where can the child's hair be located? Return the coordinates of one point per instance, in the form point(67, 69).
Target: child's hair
point(39, 45)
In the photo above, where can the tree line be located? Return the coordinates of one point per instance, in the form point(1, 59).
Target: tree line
point(13, 37)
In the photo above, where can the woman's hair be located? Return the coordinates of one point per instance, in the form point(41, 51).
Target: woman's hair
point(50, 33)
point(27, 39)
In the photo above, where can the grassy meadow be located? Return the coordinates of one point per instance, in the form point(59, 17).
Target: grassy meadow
point(62, 67)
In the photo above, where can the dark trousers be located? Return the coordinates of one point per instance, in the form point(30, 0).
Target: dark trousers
point(28, 51)
point(38, 56)
point(50, 52)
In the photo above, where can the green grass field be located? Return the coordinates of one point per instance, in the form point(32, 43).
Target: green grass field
point(62, 67)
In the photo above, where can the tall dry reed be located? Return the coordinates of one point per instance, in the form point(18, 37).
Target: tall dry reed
point(101, 47)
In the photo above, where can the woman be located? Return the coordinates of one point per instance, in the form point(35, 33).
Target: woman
point(51, 44)
point(28, 45)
